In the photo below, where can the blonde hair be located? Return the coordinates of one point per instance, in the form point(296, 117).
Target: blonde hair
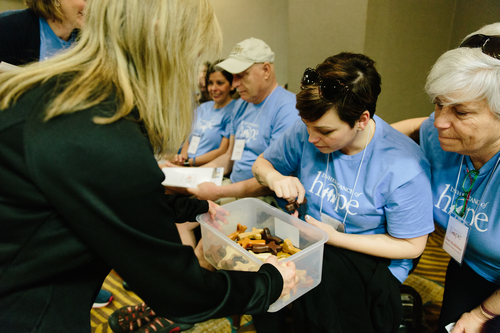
point(146, 52)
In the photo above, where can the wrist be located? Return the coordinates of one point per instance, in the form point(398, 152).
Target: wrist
point(486, 313)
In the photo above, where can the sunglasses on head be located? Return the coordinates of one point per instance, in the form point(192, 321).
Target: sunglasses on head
point(490, 45)
point(329, 89)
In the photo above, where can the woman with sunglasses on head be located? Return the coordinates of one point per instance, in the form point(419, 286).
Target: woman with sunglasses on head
point(461, 139)
point(210, 136)
point(81, 189)
point(366, 182)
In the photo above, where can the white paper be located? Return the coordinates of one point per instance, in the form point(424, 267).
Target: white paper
point(191, 177)
point(455, 239)
point(5, 67)
point(239, 146)
point(193, 144)
point(450, 327)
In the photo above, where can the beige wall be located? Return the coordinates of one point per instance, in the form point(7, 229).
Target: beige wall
point(404, 37)
point(11, 4)
point(264, 19)
point(321, 28)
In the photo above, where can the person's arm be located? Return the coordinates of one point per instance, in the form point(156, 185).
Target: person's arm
point(381, 245)
point(102, 195)
point(211, 155)
point(180, 158)
point(410, 127)
point(286, 187)
point(472, 322)
point(242, 189)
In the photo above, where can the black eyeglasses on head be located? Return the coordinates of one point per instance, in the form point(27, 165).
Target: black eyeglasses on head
point(329, 89)
point(490, 45)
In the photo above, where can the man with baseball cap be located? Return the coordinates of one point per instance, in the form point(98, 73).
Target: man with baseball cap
point(264, 112)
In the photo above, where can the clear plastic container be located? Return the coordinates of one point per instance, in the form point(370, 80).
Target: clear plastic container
point(224, 253)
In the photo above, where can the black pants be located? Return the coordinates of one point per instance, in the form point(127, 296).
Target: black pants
point(464, 290)
point(357, 293)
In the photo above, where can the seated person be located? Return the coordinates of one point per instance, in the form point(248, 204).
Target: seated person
point(366, 182)
point(210, 136)
point(462, 142)
point(265, 112)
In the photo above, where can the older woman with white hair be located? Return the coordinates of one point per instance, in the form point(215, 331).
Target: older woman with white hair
point(81, 190)
point(461, 139)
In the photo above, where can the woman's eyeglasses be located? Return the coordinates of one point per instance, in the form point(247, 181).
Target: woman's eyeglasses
point(490, 45)
point(469, 180)
point(328, 89)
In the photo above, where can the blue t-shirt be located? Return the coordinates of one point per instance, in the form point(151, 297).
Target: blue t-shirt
point(211, 126)
point(50, 44)
point(482, 253)
point(392, 193)
point(260, 125)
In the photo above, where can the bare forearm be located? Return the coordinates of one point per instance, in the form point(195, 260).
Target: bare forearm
point(261, 168)
point(245, 188)
point(211, 155)
point(381, 245)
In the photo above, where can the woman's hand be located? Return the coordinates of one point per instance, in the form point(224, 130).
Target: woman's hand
point(330, 230)
point(216, 214)
point(286, 187)
point(179, 159)
point(287, 271)
point(205, 191)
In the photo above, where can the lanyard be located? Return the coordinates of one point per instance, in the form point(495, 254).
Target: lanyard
point(357, 175)
point(487, 183)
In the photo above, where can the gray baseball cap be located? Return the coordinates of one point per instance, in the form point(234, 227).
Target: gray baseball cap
point(245, 54)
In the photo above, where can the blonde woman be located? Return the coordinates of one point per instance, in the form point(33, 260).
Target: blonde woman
point(81, 190)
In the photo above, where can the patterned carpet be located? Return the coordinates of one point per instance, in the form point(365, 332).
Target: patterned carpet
point(428, 279)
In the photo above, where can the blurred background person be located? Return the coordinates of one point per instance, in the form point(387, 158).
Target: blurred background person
point(39, 32)
point(210, 136)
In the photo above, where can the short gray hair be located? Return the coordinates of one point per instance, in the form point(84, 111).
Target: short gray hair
point(467, 74)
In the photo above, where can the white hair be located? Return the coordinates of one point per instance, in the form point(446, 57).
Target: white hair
point(467, 74)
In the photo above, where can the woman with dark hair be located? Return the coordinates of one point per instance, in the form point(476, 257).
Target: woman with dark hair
point(368, 185)
point(210, 136)
point(40, 31)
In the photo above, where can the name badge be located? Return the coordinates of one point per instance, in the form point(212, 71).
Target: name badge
point(239, 146)
point(339, 226)
point(455, 240)
point(193, 144)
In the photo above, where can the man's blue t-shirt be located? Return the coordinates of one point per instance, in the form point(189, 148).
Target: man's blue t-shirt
point(392, 193)
point(482, 253)
point(50, 43)
point(260, 125)
point(211, 126)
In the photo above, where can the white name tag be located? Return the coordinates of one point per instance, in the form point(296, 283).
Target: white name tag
point(239, 146)
point(455, 240)
point(339, 226)
point(193, 144)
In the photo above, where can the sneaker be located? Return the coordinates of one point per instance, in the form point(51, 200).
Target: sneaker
point(130, 318)
point(161, 325)
point(103, 299)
